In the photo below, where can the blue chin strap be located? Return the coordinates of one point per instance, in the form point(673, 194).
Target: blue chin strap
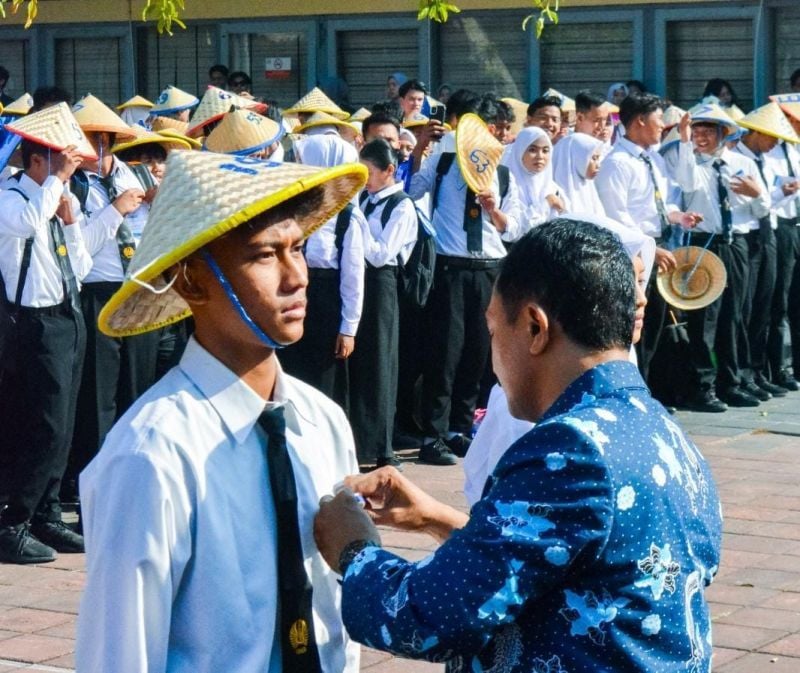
point(226, 285)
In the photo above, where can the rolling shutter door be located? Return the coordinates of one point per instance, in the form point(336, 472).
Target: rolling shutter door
point(485, 52)
point(586, 56)
point(698, 51)
point(787, 46)
point(89, 65)
point(367, 57)
point(13, 55)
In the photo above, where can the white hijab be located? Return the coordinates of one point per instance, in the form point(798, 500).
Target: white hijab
point(569, 172)
point(325, 151)
point(533, 188)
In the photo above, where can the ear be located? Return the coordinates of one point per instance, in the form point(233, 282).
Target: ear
point(191, 281)
point(539, 328)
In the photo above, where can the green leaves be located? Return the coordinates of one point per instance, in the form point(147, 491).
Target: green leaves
point(166, 12)
point(546, 13)
point(33, 9)
point(436, 10)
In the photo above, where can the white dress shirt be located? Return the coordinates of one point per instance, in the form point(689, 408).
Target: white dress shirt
point(104, 248)
point(784, 206)
point(321, 253)
point(382, 244)
point(626, 188)
point(20, 220)
point(699, 185)
point(448, 218)
point(766, 178)
point(180, 527)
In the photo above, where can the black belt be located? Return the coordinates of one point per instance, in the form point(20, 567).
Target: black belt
point(469, 263)
point(788, 221)
point(58, 309)
point(323, 274)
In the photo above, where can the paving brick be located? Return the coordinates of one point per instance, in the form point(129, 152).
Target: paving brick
point(724, 655)
point(744, 637)
point(736, 595)
point(785, 600)
point(65, 630)
point(761, 663)
point(781, 620)
point(66, 661)
point(34, 648)
point(26, 620)
point(371, 658)
point(788, 647)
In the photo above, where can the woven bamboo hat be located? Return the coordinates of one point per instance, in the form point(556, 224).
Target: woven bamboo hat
point(478, 152)
point(94, 115)
point(321, 119)
point(789, 102)
point(672, 116)
point(168, 123)
point(19, 107)
point(359, 115)
point(194, 144)
point(520, 113)
point(243, 132)
point(136, 101)
point(316, 101)
point(417, 119)
point(697, 281)
point(215, 103)
point(145, 137)
point(770, 120)
point(567, 103)
point(54, 127)
point(202, 197)
point(172, 99)
point(711, 113)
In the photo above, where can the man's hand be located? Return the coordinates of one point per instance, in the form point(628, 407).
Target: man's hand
point(488, 201)
point(791, 187)
point(393, 500)
point(556, 203)
point(345, 345)
point(64, 210)
point(665, 260)
point(150, 194)
point(65, 163)
point(685, 128)
point(687, 220)
point(340, 521)
point(433, 130)
point(746, 185)
point(128, 201)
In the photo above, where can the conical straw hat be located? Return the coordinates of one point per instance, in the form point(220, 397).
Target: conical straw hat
point(734, 112)
point(417, 119)
point(789, 102)
point(94, 115)
point(316, 101)
point(162, 123)
point(520, 113)
point(359, 115)
point(136, 101)
point(215, 103)
point(194, 144)
point(202, 197)
point(19, 107)
point(769, 119)
point(145, 137)
point(478, 152)
point(243, 132)
point(53, 127)
point(673, 115)
point(713, 114)
point(697, 281)
point(610, 107)
point(320, 119)
point(172, 99)
point(567, 103)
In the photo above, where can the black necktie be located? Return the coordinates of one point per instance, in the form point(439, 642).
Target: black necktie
point(295, 625)
point(473, 222)
point(372, 205)
point(764, 223)
point(125, 240)
point(59, 247)
point(659, 199)
point(724, 203)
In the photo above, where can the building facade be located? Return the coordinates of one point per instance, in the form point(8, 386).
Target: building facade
point(102, 47)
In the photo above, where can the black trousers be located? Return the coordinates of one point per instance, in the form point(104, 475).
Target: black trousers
point(654, 318)
point(115, 374)
point(756, 315)
point(373, 366)
point(457, 345)
point(410, 365)
point(787, 243)
point(312, 359)
point(37, 408)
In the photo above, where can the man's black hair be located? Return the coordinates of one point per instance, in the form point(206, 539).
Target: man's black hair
point(49, 95)
point(463, 101)
point(411, 85)
point(153, 150)
point(218, 67)
point(637, 104)
point(488, 108)
point(586, 100)
point(28, 148)
point(543, 101)
point(505, 113)
point(389, 108)
point(380, 153)
point(795, 77)
point(239, 74)
point(715, 86)
point(637, 83)
point(582, 278)
point(378, 119)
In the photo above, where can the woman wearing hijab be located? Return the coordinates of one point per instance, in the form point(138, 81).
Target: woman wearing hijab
point(393, 84)
point(528, 159)
point(617, 92)
point(575, 171)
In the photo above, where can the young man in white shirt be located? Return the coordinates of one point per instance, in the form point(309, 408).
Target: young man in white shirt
point(198, 510)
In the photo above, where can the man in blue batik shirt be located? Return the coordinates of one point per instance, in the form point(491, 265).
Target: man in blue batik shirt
point(598, 531)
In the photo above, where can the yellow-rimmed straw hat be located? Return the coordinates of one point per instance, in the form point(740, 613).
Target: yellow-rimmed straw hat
point(789, 102)
point(478, 152)
point(215, 103)
point(54, 127)
point(172, 99)
point(202, 197)
point(711, 113)
point(359, 115)
point(168, 123)
point(417, 119)
point(770, 120)
point(243, 132)
point(145, 137)
point(316, 101)
point(194, 144)
point(136, 101)
point(697, 281)
point(95, 116)
point(19, 107)
point(321, 119)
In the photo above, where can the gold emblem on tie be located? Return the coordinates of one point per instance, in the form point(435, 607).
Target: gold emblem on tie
point(62, 250)
point(298, 636)
point(474, 212)
point(127, 251)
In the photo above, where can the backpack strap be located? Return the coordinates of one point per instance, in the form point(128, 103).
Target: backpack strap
point(503, 179)
point(342, 223)
point(442, 168)
point(26, 257)
point(391, 203)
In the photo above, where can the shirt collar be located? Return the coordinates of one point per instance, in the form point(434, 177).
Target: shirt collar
point(27, 184)
point(600, 381)
point(115, 167)
point(744, 149)
point(631, 148)
point(386, 191)
point(236, 403)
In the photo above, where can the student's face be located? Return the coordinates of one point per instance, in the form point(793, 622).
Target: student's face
point(378, 178)
point(392, 88)
point(406, 147)
point(762, 142)
point(386, 131)
point(155, 162)
point(501, 130)
point(653, 127)
point(592, 122)
point(412, 102)
point(268, 273)
point(548, 119)
point(725, 96)
point(536, 156)
point(239, 85)
point(444, 94)
point(618, 96)
point(705, 138)
point(641, 297)
point(218, 79)
point(594, 166)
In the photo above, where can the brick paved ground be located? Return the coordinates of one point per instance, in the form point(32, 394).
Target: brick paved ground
point(755, 600)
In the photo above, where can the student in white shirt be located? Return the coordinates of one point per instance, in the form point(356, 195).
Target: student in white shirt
point(196, 505)
point(577, 166)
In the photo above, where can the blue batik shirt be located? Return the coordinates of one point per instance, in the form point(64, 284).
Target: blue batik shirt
point(590, 551)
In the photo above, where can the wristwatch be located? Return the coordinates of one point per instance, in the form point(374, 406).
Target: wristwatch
point(351, 550)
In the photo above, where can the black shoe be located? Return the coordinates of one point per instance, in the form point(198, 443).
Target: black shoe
point(706, 401)
point(458, 444)
point(59, 536)
point(406, 440)
point(17, 545)
point(437, 453)
point(785, 380)
point(771, 388)
point(736, 397)
point(394, 461)
point(756, 391)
